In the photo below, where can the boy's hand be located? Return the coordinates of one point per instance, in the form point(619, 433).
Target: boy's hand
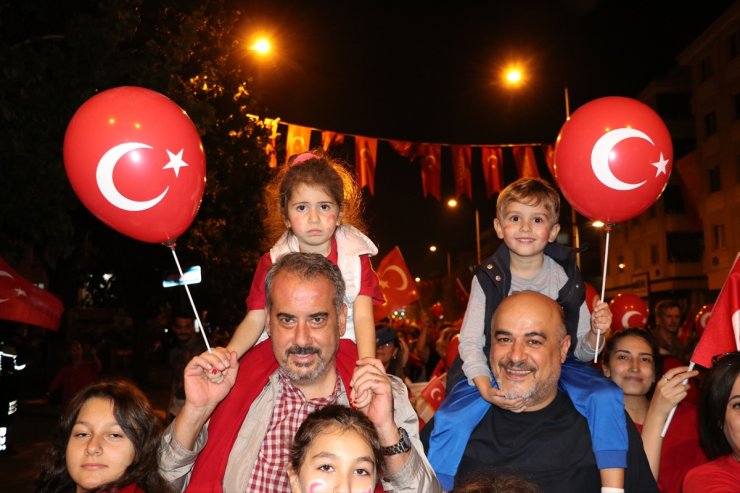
point(498, 398)
point(601, 318)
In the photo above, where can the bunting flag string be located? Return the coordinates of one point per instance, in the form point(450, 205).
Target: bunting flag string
point(427, 154)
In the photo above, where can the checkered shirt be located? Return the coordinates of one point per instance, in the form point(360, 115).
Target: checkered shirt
point(291, 409)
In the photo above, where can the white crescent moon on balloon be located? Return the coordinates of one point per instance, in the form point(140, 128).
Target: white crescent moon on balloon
point(600, 157)
point(104, 177)
point(395, 268)
point(627, 316)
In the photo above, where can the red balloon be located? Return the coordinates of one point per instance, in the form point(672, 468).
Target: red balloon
point(590, 294)
point(628, 310)
point(136, 161)
point(613, 158)
point(702, 317)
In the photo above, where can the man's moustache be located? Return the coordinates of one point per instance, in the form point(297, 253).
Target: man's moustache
point(303, 350)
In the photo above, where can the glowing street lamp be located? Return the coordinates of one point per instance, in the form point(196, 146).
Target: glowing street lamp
point(261, 46)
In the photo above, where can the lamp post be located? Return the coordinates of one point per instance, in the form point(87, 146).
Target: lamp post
point(452, 203)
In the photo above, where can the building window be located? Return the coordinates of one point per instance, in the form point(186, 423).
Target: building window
point(710, 124)
point(714, 183)
point(705, 69)
point(718, 236)
point(654, 255)
point(684, 247)
point(733, 45)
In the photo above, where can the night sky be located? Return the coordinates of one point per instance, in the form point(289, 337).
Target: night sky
point(428, 74)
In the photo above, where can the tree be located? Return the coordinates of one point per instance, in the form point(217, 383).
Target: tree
point(187, 50)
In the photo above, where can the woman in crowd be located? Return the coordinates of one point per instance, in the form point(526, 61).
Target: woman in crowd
point(391, 351)
point(719, 427)
point(107, 441)
point(630, 360)
point(335, 449)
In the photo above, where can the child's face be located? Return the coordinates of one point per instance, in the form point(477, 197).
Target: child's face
point(98, 451)
point(526, 229)
point(336, 461)
point(313, 216)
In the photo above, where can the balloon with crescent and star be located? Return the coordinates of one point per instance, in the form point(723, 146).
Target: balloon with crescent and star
point(136, 161)
point(628, 311)
point(613, 158)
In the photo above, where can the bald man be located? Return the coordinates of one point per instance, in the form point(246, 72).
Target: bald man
point(549, 442)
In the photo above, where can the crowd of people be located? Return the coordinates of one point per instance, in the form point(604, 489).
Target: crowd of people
point(311, 395)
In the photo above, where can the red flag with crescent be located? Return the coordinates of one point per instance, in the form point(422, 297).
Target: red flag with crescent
point(431, 170)
point(22, 301)
point(298, 141)
point(722, 333)
point(526, 165)
point(431, 397)
point(329, 139)
point(492, 161)
point(399, 288)
point(461, 170)
point(366, 151)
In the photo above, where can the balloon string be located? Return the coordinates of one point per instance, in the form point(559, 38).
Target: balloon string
point(603, 288)
point(673, 409)
point(192, 303)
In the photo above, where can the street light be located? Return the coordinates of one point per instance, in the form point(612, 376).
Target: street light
point(452, 203)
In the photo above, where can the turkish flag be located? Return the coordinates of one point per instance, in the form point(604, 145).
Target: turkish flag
point(328, 139)
point(398, 287)
point(722, 333)
point(461, 170)
point(526, 165)
point(22, 301)
point(431, 170)
point(299, 140)
point(462, 294)
point(431, 397)
point(492, 161)
point(366, 151)
point(405, 148)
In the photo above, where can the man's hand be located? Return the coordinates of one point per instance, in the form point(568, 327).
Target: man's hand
point(370, 379)
point(497, 397)
point(209, 377)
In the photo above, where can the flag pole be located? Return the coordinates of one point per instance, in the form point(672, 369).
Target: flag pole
point(673, 409)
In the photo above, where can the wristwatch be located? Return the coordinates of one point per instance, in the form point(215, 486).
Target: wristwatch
point(403, 445)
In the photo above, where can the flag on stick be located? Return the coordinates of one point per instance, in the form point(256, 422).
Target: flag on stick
point(722, 333)
point(24, 302)
point(398, 287)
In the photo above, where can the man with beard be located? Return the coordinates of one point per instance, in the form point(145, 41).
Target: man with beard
point(236, 439)
point(548, 442)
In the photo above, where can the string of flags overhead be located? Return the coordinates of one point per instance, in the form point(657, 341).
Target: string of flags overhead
point(428, 155)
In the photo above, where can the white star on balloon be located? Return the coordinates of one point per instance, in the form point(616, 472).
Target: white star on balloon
point(19, 292)
point(660, 165)
point(176, 162)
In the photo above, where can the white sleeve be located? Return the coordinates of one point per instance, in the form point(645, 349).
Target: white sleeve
point(472, 336)
point(583, 350)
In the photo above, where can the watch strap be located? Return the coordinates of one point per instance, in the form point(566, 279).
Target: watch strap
point(403, 445)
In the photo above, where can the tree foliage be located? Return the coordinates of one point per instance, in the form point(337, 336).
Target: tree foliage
point(55, 56)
